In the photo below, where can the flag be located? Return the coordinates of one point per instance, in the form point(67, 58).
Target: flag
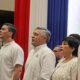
point(30, 14)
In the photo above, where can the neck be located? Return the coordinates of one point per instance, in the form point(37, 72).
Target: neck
point(68, 58)
point(7, 40)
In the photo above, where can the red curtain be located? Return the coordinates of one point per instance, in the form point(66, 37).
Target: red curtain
point(21, 21)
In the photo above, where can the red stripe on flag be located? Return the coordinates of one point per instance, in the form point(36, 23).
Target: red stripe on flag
point(21, 21)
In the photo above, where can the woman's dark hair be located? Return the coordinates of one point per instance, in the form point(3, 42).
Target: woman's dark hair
point(77, 36)
point(73, 43)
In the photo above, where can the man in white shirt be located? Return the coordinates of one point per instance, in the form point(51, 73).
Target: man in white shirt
point(41, 60)
point(11, 54)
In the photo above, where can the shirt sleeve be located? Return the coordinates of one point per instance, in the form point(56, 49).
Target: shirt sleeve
point(18, 56)
point(48, 65)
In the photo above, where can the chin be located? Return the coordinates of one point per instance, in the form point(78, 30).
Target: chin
point(33, 44)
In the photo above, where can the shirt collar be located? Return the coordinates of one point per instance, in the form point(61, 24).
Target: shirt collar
point(40, 46)
point(6, 44)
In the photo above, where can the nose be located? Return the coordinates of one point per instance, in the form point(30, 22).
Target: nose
point(61, 46)
point(32, 35)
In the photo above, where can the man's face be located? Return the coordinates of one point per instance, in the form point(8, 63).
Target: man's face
point(37, 38)
point(58, 52)
point(4, 32)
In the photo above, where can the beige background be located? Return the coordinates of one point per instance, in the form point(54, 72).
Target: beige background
point(7, 5)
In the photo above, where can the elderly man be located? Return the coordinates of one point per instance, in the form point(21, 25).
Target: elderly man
point(41, 60)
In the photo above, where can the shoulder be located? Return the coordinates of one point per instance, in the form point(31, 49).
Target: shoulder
point(16, 50)
point(74, 63)
point(47, 49)
point(47, 52)
point(74, 60)
point(16, 46)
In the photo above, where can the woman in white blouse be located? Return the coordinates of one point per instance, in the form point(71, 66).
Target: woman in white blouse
point(67, 68)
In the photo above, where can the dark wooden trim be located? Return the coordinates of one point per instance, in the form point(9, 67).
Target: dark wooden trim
point(6, 12)
point(6, 16)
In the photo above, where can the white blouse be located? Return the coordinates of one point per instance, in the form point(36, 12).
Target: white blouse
point(66, 71)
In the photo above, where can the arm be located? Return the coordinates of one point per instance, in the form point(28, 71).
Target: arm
point(18, 60)
point(48, 65)
point(17, 72)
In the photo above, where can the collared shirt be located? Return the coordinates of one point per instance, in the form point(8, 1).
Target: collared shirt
point(10, 55)
point(40, 64)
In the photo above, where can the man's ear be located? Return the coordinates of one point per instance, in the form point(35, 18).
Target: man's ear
point(10, 33)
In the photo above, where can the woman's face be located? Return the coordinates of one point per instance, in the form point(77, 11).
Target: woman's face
point(67, 50)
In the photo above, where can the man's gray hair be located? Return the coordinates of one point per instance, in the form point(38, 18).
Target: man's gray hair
point(45, 33)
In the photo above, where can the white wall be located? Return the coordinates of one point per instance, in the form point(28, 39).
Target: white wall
point(74, 17)
point(7, 5)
